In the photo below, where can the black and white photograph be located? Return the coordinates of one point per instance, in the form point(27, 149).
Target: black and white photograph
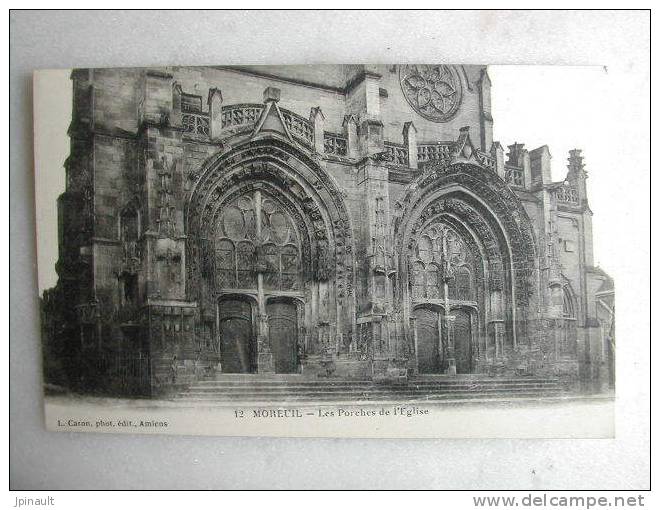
point(310, 239)
point(314, 245)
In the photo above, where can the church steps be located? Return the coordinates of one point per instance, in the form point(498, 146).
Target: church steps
point(349, 399)
point(508, 384)
point(222, 388)
point(354, 385)
point(372, 387)
point(367, 393)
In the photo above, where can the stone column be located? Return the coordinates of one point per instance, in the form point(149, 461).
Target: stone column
point(410, 141)
point(215, 112)
point(449, 322)
point(486, 118)
point(317, 119)
point(157, 96)
point(497, 152)
point(498, 327)
point(540, 166)
point(413, 329)
point(527, 168)
point(350, 126)
point(264, 354)
point(175, 117)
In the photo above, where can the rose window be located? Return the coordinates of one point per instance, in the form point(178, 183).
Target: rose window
point(434, 91)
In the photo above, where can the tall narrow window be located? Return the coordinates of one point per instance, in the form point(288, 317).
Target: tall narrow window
point(129, 232)
point(245, 259)
point(464, 284)
point(282, 253)
point(568, 307)
point(239, 255)
point(225, 263)
point(418, 287)
point(433, 282)
point(569, 341)
point(290, 264)
point(441, 256)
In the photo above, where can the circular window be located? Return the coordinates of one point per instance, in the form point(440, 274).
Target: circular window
point(434, 91)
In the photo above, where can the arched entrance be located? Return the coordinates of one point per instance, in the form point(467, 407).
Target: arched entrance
point(258, 255)
point(265, 222)
point(444, 339)
point(446, 268)
point(283, 334)
point(469, 254)
point(463, 341)
point(429, 345)
point(237, 341)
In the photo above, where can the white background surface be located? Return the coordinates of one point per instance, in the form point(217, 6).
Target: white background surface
point(95, 39)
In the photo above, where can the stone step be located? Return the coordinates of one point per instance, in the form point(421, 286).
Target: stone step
point(416, 381)
point(357, 394)
point(369, 387)
point(283, 378)
point(296, 388)
point(343, 397)
point(349, 393)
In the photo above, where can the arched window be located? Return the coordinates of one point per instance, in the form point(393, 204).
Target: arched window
point(434, 286)
point(129, 231)
point(245, 267)
point(425, 249)
point(418, 286)
point(129, 224)
point(464, 284)
point(451, 288)
point(440, 255)
point(568, 345)
point(239, 261)
point(568, 306)
point(270, 266)
point(290, 264)
point(282, 253)
point(225, 263)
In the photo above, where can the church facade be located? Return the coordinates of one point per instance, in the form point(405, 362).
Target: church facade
point(350, 221)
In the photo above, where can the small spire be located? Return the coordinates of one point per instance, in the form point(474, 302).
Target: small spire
point(514, 156)
point(575, 162)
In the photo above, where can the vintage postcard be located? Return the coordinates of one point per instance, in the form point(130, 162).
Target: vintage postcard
point(318, 250)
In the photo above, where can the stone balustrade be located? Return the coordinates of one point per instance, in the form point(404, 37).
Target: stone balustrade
point(486, 160)
point(240, 114)
point(567, 195)
point(515, 176)
point(395, 153)
point(195, 123)
point(434, 152)
point(299, 127)
point(335, 144)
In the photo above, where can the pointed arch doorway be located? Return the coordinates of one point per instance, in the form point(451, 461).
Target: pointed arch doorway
point(283, 333)
point(259, 267)
point(236, 335)
point(429, 341)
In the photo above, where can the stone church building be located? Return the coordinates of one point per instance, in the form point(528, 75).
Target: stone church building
point(349, 221)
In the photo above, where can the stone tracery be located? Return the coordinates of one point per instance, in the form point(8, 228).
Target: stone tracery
point(434, 91)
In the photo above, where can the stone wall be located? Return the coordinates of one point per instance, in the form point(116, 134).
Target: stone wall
point(133, 153)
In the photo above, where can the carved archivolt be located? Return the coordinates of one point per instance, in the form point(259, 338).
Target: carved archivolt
point(487, 206)
point(305, 228)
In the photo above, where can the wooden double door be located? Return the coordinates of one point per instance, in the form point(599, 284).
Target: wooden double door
point(433, 342)
point(238, 335)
